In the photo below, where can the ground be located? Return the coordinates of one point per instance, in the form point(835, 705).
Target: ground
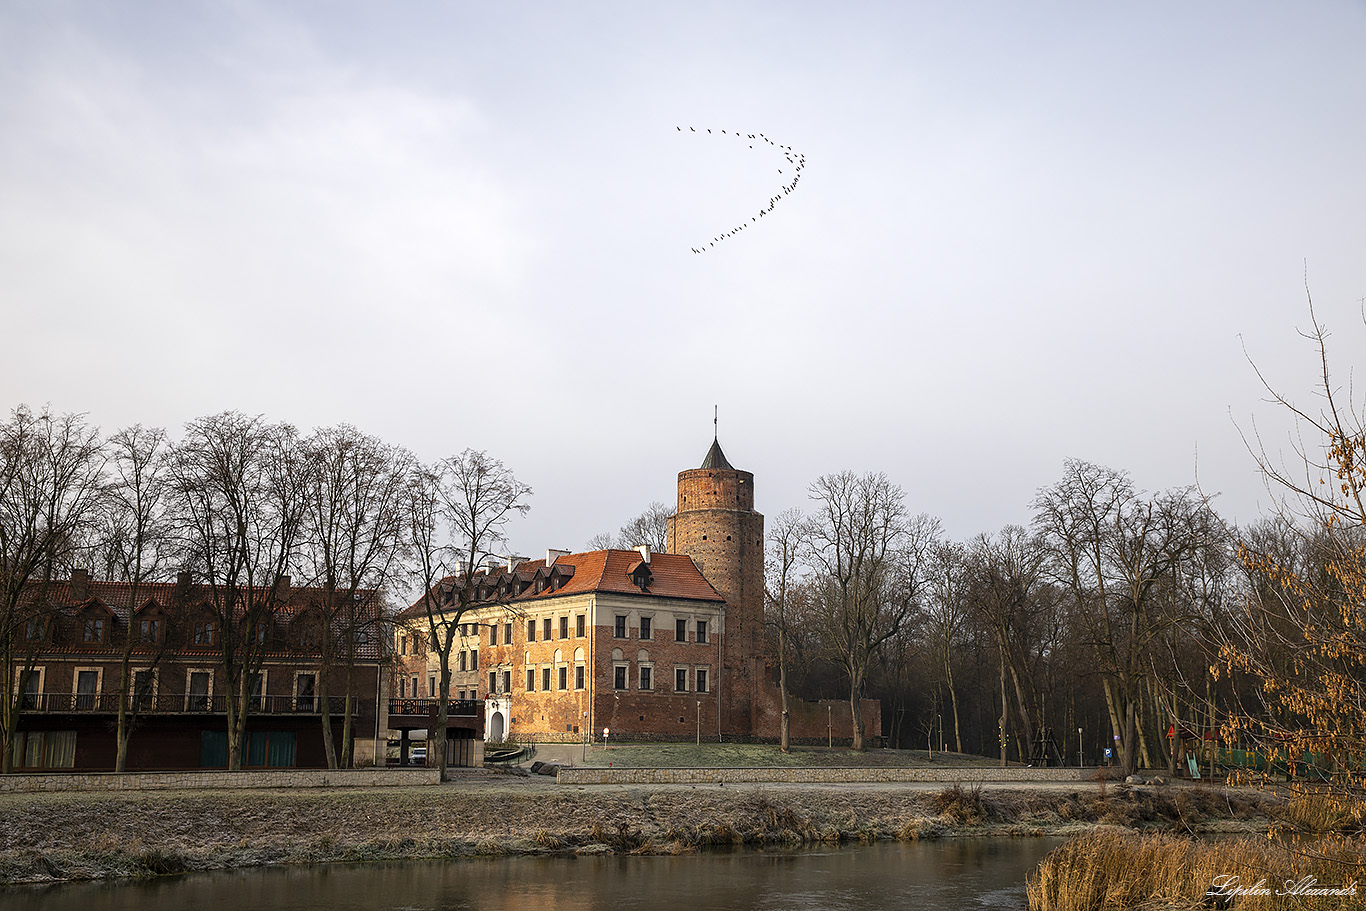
point(57, 836)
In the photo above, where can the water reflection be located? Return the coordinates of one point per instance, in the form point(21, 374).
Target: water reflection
point(952, 874)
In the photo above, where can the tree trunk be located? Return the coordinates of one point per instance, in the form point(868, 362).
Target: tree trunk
point(953, 698)
point(1005, 709)
point(784, 727)
point(856, 715)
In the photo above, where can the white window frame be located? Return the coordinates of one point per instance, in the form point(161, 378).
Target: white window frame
point(294, 694)
point(189, 673)
point(75, 682)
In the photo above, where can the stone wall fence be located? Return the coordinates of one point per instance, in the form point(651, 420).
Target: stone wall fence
point(214, 778)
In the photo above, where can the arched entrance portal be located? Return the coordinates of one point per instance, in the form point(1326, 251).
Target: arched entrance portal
point(496, 728)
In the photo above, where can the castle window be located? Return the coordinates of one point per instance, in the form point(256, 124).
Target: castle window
point(93, 630)
point(578, 626)
point(680, 630)
point(564, 627)
point(507, 633)
point(545, 629)
point(578, 677)
point(619, 630)
point(493, 682)
point(474, 661)
point(645, 631)
point(531, 680)
point(507, 681)
point(431, 687)
point(464, 661)
point(545, 678)
point(645, 682)
point(701, 680)
point(493, 634)
point(681, 680)
point(531, 631)
point(564, 678)
point(402, 688)
point(619, 677)
point(403, 645)
point(149, 630)
point(701, 630)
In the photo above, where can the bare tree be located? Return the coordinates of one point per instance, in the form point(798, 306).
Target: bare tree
point(136, 539)
point(785, 536)
point(238, 506)
point(868, 558)
point(1111, 547)
point(1004, 578)
point(647, 528)
point(350, 538)
point(946, 614)
point(473, 496)
point(50, 487)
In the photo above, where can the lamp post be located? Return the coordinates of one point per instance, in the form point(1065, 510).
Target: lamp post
point(830, 727)
point(699, 722)
point(1079, 762)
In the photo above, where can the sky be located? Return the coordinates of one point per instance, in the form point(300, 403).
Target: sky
point(1024, 232)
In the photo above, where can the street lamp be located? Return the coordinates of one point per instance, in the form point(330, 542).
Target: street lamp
point(830, 726)
point(699, 722)
point(1079, 762)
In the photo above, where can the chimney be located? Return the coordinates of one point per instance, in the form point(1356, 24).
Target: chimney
point(80, 587)
point(644, 552)
point(459, 568)
point(490, 563)
point(551, 555)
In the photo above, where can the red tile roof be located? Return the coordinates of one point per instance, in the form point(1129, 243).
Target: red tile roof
point(672, 576)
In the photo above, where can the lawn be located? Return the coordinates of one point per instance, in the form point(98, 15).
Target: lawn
point(730, 755)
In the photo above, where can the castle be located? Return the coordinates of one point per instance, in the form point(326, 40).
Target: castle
point(630, 644)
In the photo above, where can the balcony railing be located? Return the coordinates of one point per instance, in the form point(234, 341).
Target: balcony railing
point(429, 707)
point(176, 703)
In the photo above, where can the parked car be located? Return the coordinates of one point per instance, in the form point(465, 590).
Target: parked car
point(417, 756)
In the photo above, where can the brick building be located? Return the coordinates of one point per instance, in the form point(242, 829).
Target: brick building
point(648, 645)
point(69, 658)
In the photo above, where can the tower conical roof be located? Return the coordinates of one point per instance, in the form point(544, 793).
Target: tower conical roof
point(716, 458)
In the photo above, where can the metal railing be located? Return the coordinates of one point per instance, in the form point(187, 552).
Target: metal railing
point(176, 703)
point(429, 707)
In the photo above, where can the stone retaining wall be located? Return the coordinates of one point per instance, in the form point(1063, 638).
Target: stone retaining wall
point(814, 775)
point(214, 778)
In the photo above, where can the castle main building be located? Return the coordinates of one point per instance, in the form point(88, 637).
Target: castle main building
point(650, 646)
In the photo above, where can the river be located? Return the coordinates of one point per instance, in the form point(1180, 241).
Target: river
point(926, 876)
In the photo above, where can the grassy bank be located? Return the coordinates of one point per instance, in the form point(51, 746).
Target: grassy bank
point(764, 755)
point(52, 837)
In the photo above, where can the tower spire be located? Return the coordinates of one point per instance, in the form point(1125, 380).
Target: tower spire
point(715, 423)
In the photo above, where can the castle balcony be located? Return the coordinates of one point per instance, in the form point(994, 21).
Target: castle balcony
point(176, 704)
point(421, 712)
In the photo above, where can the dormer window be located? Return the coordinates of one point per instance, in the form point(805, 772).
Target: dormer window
point(35, 629)
point(205, 633)
point(149, 629)
point(92, 630)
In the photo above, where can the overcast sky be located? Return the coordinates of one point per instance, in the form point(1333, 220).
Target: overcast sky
point(1023, 232)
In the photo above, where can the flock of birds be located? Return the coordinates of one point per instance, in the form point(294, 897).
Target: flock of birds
point(796, 162)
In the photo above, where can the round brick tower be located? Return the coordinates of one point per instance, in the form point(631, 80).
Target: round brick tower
point(717, 526)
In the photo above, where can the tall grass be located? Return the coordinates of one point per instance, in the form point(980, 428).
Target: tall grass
point(1110, 870)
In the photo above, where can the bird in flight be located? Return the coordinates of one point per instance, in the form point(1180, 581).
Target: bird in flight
point(788, 154)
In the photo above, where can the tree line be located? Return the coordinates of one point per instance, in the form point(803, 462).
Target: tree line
point(240, 504)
